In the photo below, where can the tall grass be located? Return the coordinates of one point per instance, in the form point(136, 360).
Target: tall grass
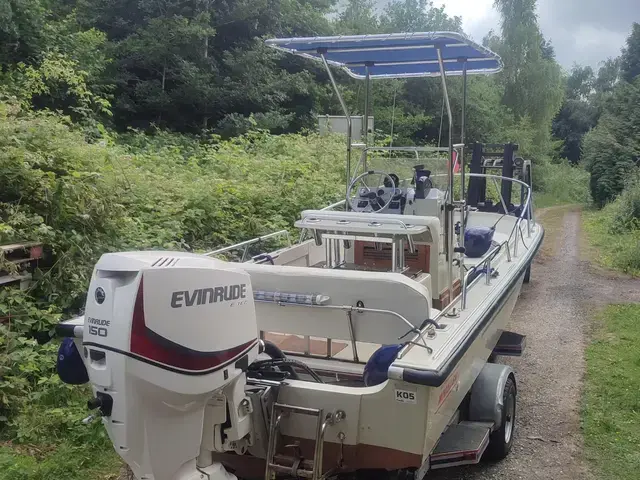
point(611, 406)
point(615, 230)
point(560, 183)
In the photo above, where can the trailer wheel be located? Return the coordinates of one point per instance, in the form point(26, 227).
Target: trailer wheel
point(501, 441)
point(527, 274)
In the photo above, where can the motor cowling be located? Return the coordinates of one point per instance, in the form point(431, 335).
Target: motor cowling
point(163, 333)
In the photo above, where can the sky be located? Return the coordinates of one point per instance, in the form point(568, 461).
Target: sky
point(586, 32)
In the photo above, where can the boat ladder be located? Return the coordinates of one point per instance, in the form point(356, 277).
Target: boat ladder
point(295, 465)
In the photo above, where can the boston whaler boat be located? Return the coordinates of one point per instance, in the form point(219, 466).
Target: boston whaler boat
point(369, 345)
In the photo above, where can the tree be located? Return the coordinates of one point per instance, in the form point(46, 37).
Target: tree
point(612, 149)
point(162, 72)
point(574, 120)
point(578, 114)
point(22, 30)
point(608, 76)
point(532, 78)
point(178, 63)
point(357, 17)
point(630, 60)
point(580, 83)
point(417, 16)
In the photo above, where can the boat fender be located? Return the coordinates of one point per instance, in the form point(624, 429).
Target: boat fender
point(70, 367)
point(377, 368)
point(477, 241)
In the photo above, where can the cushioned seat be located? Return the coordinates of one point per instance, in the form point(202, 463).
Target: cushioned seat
point(344, 288)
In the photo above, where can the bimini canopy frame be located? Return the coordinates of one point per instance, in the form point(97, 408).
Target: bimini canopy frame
point(403, 55)
point(395, 55)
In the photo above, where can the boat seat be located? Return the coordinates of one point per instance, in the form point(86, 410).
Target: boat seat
point(375, 290)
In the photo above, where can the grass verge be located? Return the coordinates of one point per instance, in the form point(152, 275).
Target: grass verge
point(619, 251)
point(65, 461)
point(611, 407)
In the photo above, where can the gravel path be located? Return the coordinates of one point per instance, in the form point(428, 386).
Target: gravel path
point(553, 311)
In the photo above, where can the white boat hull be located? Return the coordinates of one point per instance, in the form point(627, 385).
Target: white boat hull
point(395, 425)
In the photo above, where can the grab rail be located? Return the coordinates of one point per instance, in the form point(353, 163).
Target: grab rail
point(312, 218)
point(247, 243)
point(350, 309)
point(303, 232)
point(486, 259)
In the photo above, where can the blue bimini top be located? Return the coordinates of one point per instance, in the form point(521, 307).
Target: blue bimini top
point(396, 55)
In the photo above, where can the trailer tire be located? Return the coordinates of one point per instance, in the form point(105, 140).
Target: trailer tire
point(527, 274)
point(501, 440)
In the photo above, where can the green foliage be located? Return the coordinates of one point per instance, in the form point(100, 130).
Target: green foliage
point(630, 59)
point(83, 200)
point(202, 67)
point(357, 17)
point(40, 415)
point(575, 119)
point(532, 80)
point(22, 28)
point(57, 82)
point(611, 418)
point(612, 149)
point(66, 461)
point(626, 208)
point(578, 113)
point(560, 183)
point(187, 66)
point(417, 16)
point(134, 192)
point(615, 230)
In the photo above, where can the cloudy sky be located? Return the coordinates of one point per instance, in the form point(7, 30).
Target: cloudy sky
point(582, 31)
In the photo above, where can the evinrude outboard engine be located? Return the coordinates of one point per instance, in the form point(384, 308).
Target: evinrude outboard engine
point(168, 336)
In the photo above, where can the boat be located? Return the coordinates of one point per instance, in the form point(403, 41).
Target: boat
point(371, 343)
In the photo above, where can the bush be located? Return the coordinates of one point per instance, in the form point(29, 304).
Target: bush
point(625, 211)
point(610, 150)
point(560, 183)
point(138, 192)
point(616, 229)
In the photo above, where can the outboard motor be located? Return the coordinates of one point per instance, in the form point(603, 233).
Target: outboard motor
point(167, 338)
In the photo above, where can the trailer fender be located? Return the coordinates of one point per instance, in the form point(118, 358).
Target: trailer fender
point(485, 403)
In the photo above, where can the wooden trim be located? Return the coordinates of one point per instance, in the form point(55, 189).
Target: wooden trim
point(444, 299)
point(365, 254)
point(356, 457)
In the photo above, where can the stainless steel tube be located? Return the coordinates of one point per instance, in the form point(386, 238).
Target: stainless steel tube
point(346, 114)
point(450, 199)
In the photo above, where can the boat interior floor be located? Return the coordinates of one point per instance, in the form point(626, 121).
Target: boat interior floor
point(328, 358)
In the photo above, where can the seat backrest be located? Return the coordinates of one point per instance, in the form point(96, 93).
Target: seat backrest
point(383, 291)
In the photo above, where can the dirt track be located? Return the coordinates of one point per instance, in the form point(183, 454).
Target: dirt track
point(553, 311)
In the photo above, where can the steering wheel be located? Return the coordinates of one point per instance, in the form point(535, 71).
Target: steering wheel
point(374, 198)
